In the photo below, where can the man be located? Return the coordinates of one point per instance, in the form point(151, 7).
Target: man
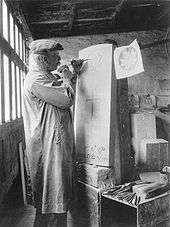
point(49, 133)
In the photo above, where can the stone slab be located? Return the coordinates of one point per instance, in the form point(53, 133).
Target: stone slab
point(143, 127)
point(153, 154)
point(95, 107)
point(97, 176)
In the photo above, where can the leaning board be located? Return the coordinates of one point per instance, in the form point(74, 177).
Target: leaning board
point(95, 107)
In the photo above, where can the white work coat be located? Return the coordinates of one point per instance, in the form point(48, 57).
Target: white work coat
point(49, 141)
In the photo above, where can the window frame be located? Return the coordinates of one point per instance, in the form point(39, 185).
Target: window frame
point(19, 61)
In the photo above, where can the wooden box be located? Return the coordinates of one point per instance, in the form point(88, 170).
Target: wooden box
point(154, 212)
point(94, 209)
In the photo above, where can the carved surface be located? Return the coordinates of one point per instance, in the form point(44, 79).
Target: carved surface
point(93, 106)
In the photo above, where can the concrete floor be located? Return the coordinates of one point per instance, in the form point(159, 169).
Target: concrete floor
point(19, 217)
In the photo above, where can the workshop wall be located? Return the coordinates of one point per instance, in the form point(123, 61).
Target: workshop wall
point(155, 58)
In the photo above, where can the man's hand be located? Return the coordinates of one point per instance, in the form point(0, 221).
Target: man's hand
point(66, 77)
point(66, 74)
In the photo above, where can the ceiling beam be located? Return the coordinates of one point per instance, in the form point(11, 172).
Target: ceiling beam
point(72, 16)
point(117, 10)
point(67, 1)
point(47, 31)
point(67, 21)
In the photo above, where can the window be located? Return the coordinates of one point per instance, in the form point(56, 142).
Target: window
point(0, 107)
point(6, 87)
point(5, 20)
point(20, 45)
point(18, 92)
point(16, 39)
point(12, 67)
point(13, 91)
point(11, 31)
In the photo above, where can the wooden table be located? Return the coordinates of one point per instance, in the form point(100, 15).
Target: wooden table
point(93, 209)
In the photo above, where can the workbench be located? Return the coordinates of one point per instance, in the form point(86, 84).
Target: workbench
point(94, 209)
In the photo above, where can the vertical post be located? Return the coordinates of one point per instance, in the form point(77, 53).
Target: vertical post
point(16, 109)
point(21, 159)
point(2, 117)
point(10, 70)
point(20, 98)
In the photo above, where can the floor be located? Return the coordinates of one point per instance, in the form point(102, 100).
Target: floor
point(13, 213)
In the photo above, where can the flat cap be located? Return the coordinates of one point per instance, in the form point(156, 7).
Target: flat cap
point(40, 46)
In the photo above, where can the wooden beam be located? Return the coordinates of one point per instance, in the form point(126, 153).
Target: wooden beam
point(117, 10)
point(15, 77)
point(20, 95)
point(84, 13)
point(66, 1)
point(66, 21)
point(21, 161)
point(2, 103)
point(156, 43)
point(9, 51)
point(16, 10)
point(72, 16)
point(9, 70)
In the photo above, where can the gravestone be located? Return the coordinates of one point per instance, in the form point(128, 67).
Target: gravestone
point(95, 107)
point(102, 124)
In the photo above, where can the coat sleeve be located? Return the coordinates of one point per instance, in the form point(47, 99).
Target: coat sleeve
point(58, 96)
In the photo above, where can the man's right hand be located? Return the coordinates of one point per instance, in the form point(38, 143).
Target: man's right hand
point(66, 74)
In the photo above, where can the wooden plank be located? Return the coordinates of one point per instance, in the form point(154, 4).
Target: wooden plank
point(2, 87)
point(21, 159)
point(15, 76)
point(73, 1)
point(117, 10)
point(72, 16)
point(2, 117)
point(52, 22)
point(126, 163)
point(8, 50)
point(20, 98)
point(10, 71)
point(154, 211)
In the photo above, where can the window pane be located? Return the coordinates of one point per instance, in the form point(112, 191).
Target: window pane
point(0, 99)
point(5, 19)
point(24, 60)
point(20, 44)
point(6, 88)
point(22, 84)
point(11, 31)
point(16, 39)
point(18, 92)
point(13, 92)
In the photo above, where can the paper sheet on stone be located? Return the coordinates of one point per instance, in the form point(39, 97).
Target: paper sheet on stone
point(93, 103)
point(128, 60)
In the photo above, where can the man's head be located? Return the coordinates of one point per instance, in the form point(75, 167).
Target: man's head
point(46, 53)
